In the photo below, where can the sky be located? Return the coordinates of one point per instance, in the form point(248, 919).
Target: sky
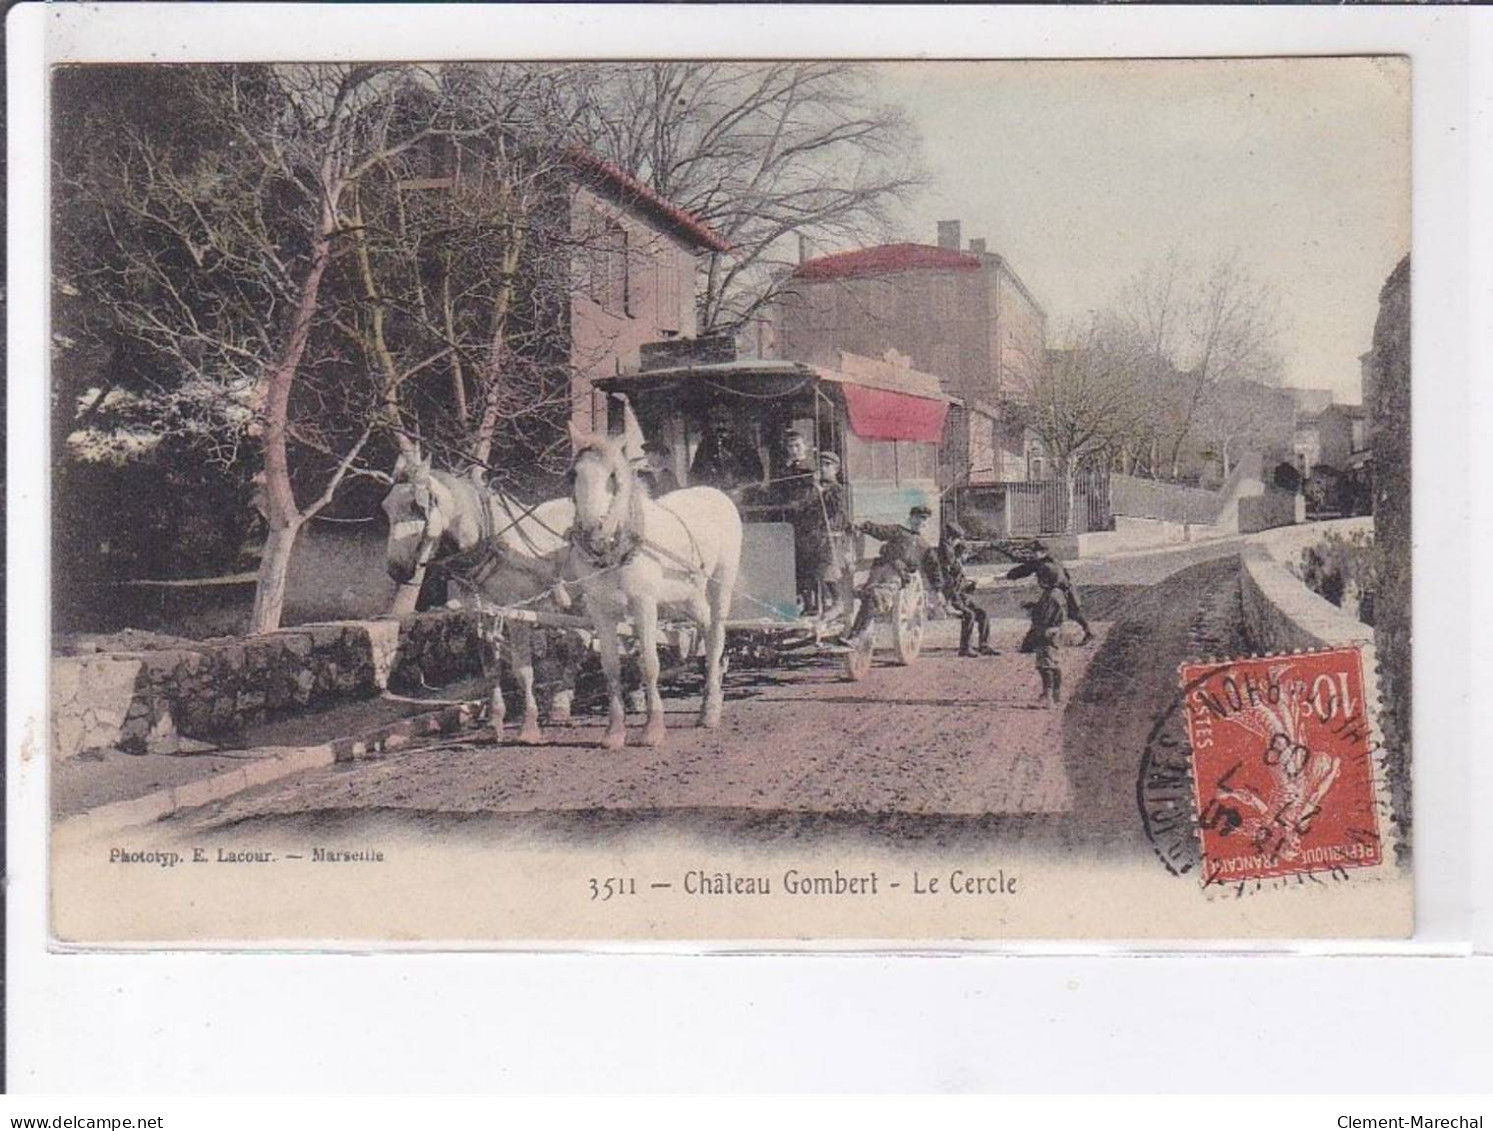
point(1081, 172)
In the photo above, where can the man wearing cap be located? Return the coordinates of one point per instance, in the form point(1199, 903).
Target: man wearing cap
point(655, 472)
point(725, 460)
point(813, 504)
point(901, 555)
point(832, 497)
point(945, 569)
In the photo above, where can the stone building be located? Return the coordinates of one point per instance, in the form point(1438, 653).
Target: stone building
point(635, 277)
point(1332, 437)
point(960, 313)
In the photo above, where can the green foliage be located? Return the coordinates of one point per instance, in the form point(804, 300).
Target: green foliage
point(1340, 563)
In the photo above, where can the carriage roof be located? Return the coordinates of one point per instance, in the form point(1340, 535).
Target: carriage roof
point(864, 373)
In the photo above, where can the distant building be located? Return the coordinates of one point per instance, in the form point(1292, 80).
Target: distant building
point(1332, 437)
point(1309, 402)
point(633, 273)
point(961, 314)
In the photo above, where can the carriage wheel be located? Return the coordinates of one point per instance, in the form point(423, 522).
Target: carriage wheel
point(858, 658)
point(907, 623)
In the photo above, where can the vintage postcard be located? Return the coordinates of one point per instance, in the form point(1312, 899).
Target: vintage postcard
point(810, 503)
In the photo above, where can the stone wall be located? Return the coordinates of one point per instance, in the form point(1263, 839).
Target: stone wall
point(1389, 407)
point(1282, 615)
point(150, 700)
point(1141, 534)
point(1134, 497)
point(1269, 510)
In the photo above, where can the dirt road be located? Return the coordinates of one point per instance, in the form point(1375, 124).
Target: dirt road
point(949, 750)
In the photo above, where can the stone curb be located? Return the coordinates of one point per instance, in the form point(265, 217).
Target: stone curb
point(278, 762)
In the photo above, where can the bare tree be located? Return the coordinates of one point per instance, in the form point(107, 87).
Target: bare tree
point(219, 241)
point(1192, 329)
point(1240, 416)
point(1080, 400)
point(758, 151)
point(467, 255)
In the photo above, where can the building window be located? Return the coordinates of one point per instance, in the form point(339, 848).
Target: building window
point(608, 278)
point(668, 290)
point(1036, 465)
point(945, 299)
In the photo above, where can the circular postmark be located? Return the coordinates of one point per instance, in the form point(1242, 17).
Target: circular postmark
point(1165, 795)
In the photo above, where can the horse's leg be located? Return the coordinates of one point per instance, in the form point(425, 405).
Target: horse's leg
point(715, 646)
point(523, 668)
point(645, 628)
point(563, 654)
point(495, 652)
point(611, 667)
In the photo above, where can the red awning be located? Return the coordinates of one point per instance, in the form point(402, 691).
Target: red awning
point(876, 414)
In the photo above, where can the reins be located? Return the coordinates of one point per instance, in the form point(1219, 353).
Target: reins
point(477, 563)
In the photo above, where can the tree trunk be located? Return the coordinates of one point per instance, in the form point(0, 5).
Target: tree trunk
point(274, 565)
point(496, 351)
point(1070, 483)
point(278, 498)
point(407, 595)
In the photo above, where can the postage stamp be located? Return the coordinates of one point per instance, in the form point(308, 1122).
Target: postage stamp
point(1283, 766)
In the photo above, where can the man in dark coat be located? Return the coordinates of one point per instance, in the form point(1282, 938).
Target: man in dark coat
point(725, 461)
point(1051, 574)
point(812, 500)
point(901, 555)
point(945, 569)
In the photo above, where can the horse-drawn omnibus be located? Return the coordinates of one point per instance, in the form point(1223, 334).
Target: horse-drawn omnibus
point(733, 424)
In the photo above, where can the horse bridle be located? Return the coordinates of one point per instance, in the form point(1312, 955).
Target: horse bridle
point(623, 544)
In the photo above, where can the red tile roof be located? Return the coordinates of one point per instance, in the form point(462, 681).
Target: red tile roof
point(635, 193)
point(886, 259)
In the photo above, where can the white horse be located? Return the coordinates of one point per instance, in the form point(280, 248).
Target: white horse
point(630, 554)
point(494, 549)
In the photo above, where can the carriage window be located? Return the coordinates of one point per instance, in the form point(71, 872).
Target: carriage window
point(883, 459)
point(857, 457)
point(915, 460)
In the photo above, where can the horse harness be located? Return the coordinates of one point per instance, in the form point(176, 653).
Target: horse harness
point(475, 565)
point(620, 548)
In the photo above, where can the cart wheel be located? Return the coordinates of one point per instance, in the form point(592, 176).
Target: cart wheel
point(858, 658)
point(907, 623)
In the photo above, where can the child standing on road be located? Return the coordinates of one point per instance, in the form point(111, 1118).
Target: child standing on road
point(1044, 641)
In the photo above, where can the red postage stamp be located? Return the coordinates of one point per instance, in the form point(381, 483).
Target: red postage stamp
point(1282, 766)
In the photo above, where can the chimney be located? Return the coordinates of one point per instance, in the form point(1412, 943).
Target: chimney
point(803, 248)
point(948, 234)
point(977, 247)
